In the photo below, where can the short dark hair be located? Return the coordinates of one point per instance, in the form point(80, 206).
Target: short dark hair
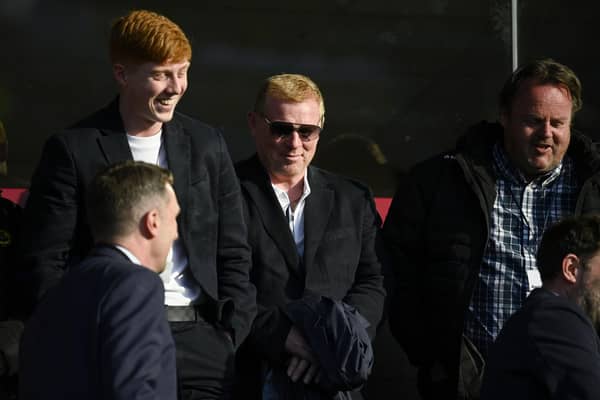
point(573, 235)
point(544, 71)
point(121, 194)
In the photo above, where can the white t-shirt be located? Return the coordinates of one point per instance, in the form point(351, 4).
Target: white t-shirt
point(180, 288)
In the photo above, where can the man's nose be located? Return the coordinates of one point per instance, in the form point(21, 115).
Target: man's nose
point(546, 129)
point(176, 84)
point(294, 139)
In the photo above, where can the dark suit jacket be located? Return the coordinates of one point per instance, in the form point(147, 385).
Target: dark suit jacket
point(101, 333)
point(546, 350)
point(340, 227)
point(210, 223)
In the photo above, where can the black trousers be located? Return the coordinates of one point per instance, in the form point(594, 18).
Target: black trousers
point(205, 361)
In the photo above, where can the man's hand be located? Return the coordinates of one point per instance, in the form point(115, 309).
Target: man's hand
point(296, 345)
point(298, 367)
point(303, 362)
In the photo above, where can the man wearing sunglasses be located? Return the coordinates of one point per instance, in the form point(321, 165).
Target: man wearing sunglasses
point(311, 232)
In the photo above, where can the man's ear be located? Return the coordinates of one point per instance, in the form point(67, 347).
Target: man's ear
point(120, 74)
point(571, 268)
point(150, 223)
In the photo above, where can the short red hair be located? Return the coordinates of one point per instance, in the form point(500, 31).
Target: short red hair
point(145, 36)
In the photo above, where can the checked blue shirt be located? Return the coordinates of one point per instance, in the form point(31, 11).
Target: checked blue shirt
point(521, 212)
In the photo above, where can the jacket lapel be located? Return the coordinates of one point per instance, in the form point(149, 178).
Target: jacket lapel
point(316, 214)
point(114, 143)
point(177, 146)
point(115, 147)
point(257, 185)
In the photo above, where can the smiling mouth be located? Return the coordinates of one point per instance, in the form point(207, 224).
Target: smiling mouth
point(167, 102)
point(542, 147)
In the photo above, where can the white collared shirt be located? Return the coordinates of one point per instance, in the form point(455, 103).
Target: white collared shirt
point(129, 254)
point(295, 217)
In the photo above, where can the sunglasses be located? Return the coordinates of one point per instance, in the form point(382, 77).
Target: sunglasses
point(286, 129)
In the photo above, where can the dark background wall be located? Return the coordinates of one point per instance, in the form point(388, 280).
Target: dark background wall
point(401, 79)
point(407, 76)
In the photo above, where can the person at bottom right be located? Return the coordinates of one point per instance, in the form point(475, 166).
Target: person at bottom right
point(550, 349)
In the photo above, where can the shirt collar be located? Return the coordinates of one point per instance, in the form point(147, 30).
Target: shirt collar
point(283, 198)
point(129, 254)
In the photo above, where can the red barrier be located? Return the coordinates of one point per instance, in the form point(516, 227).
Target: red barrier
point(383, 205)
point(19, 196)
point(16, 195)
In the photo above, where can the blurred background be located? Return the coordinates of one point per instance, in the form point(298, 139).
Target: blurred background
point(401, 79)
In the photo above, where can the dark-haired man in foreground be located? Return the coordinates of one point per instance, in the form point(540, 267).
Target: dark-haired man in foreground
point(101, 333)
point(549, 349)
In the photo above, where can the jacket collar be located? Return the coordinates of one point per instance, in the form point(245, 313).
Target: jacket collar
point(585, 155)
point(256, 183)
point(113, 141)
point(108, 250)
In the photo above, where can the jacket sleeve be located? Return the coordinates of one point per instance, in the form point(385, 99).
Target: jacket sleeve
point(568, 356)
point(367, 293)
point(269, 333)
point(403, 234)
point(233, 252)
point(50, 219)
point(136, 348)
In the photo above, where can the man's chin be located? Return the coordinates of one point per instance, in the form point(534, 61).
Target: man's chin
point(540, 167)
point(292, 170)
point(165, 117)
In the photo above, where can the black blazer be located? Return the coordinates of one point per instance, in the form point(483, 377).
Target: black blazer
point(546, 350)
point(210, 223)
point(340, 227)
point(101, 333)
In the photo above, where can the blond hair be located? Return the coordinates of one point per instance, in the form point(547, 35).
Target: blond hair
point(292, 88)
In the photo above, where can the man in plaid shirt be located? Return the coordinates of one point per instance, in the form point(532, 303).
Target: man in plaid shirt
point(464, 227)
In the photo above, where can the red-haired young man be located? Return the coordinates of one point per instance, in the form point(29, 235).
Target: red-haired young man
point(210, 302)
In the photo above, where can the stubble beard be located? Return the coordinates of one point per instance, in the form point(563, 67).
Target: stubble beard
point(588, 297)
